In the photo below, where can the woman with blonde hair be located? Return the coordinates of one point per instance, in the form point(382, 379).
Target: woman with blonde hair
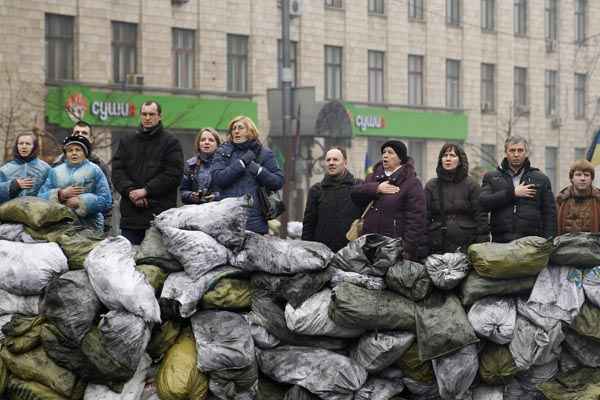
point(196, 185)
point(242, 165)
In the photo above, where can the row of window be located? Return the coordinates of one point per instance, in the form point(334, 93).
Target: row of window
point(455, 10)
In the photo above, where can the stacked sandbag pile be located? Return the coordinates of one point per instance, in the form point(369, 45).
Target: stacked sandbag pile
point(205, 310)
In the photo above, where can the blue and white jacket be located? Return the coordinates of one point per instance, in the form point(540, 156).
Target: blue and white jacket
point(97, 197)
point(17, 169)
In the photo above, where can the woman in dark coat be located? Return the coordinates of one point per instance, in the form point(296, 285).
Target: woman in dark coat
point(398, 208)
point(196, 185)
point(242, 165)
point(454, 216)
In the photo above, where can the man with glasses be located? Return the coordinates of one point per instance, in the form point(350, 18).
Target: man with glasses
point(147, 170)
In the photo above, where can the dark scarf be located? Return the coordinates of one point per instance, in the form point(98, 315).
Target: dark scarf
point(152, 130)
point(336, 180)
point(33, 155)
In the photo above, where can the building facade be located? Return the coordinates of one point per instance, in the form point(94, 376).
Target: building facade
point(424, 71)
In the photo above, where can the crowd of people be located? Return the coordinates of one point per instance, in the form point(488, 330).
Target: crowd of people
point(448, 214)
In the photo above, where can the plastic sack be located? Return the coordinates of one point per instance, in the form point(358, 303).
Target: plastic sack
point(523, 257)
point(294, 229)
point(162, 338)
point(22, 333)
point(494, 318)
point(266, 313)
point(71, 304)
point(421, 390)
point(132, 390)
point(224, 220)
point(293, 289)
point(16, 233)
point(229, 293)
point(475, 287)
point(366, 281)
point(185, 293)
point(532, 345)
point(35, 212)
point(581, 250)
point(4, 319)
point(591, 285)
point(237, 384)
point(370, 254)
point(18, 389)
point(37, 366)
point(585, 349)
point(488, 393)
point(312, 318)
point(278, 256)
point(567, 363)
point(312, 369)
point(587, 322)
point(13, 304)
point(178, 378)
point(557, 293)
point(410, 279)
point(153, 251)
point(379, 389)
point(117, 283)
point(356, 307)
point(299, 393)
point(376, 351)
point(261, 337)
point(27, 268)
point(197, 252)
point(155, 276)
point(456, 372)
point(223, 340)
point(76, 243)
point(413, 367)
point(442, 326)
point(447, 270)
point(582, 384)
point(496, 365)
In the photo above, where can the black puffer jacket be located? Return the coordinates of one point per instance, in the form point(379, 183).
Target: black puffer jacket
point(329, 211)
point(153, 161)
point(515, 217)
point(466, 222)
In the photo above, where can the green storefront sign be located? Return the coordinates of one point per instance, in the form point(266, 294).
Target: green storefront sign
point(373, 121)
point(67, 104)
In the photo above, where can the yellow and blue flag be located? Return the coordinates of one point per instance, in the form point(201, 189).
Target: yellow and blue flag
point(593, 154)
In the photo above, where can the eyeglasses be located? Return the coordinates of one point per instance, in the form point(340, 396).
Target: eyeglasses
point(239, 127)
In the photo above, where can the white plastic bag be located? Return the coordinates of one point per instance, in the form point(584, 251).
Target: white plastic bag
point(447, 270)
point(13, 304)
point(456, 372)
point(119, 286)
point(494, 318)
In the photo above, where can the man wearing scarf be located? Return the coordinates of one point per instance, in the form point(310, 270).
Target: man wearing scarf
point(579, 203)
point(147, 169)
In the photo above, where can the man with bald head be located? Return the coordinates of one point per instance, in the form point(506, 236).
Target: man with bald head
point(329, 210)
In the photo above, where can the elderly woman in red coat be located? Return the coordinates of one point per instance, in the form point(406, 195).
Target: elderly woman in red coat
point(399, 206)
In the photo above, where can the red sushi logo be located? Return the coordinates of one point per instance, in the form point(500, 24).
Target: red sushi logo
point(76, 106)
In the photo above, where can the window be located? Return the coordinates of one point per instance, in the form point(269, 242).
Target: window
point(488, 15)
point(580, 95)
point(453, 12)
point(580, 153)
point(580, 22)
point(551, 165)
point(237, 63)
point(551, 19)
point(183, 56)
point(333, 72)
point(415, 9)
point(551, 92)
point(488, 159)
point(59, 47)
point(124, 49)
point(488, 87)
point(376, 76)
point(293, 65)
point(453, 84)
point(520, 90)
point(415, 80)
point(376, 7)
point(520, 17)
point(334, 3)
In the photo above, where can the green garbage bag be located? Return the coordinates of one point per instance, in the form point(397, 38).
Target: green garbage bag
point(155, 276)
point(35, 212)
point(178, 378)
point(413, 367)
point(229, 294)
point(3, 376)
point(587, 322)
point(19, 389)
point(496, 365)
point(38, 367)
point(581, 250)
point(22, 333)
point(442, 326)
point(523, 257)
point(357, 307)
point(475, 287)
point(582, 384)
point(163, 337)
point(77, 244)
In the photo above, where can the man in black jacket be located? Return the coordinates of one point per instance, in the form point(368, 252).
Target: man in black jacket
point(329, 210)
point(518, 196)
point(147, 169)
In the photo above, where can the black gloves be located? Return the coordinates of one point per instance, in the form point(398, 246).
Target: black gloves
point(253, 168)
point(248, 157)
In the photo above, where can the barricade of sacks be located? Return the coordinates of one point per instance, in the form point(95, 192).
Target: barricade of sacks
point(204, 310)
